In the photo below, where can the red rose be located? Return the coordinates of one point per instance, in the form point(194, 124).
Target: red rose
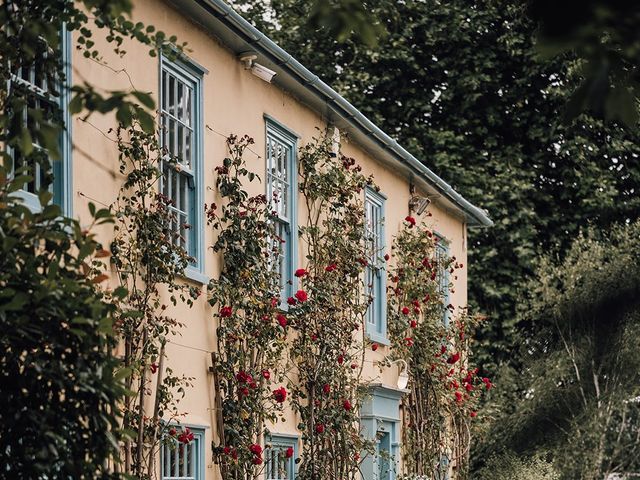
point(253, 385)
point(243, 377)
point(426, 298)
point(363, 262)
point(354, 366)
point(473, 414)
point(340, 359)
point(374, 347)
point(405, 310)
point(416, 310)
point(226, 312)
point(453, 358)
point(386, 257)
point(408, 341)
point(288, 453)
point(326, 388)
point(320, 428)
point(410, 220)
point(347, 405)
point(226, 450)
point(301, 295)
point(255, 449)
point(244, 391)
point(280, 395)
point(256, 460)
point(330, 268)
point(154, 367)
point(234, 454)
point(356, 457)
point(458, 397)
point(413, 324)
point(172, 432)
point(266, 375)
point(282, 320)
point(291, 301)
point(443, 349)
point(301, 272)
point(274, 302)
point(468, 387)
point(487, 383)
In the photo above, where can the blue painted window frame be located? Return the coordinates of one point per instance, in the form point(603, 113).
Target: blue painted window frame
point(191, 73)
point(281, 442)
point(197, 444)
point(61, 186)
point(375, 272)
point(442, 253)
point(287, 226)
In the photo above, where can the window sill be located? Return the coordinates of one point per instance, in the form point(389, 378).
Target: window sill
point(195, 275)
point(378, 338)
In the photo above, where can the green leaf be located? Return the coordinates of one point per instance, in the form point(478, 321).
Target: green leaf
point(25, 142)
point(144, 98)
point(75, 105)
point(146, 121)
point(123, 373)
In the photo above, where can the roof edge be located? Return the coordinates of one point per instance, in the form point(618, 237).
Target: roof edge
point(347, 112)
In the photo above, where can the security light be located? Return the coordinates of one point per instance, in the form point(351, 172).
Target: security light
point(403, 377)
point(419, 204)
point(248, 59)
point(262, 72)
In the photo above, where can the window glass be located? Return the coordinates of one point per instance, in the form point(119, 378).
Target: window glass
point(179, 117)
point(443, 277)
point(182, 461)
point(45, 102)
point(374, 273)
point(281, 190)
point(280, 458)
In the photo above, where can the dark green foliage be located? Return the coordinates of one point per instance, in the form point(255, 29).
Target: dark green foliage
point(461, 85)
point(604, 35)
point(60, 388)
point(579, 390)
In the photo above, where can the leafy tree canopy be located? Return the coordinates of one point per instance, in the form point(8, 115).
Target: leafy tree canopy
point(579, 389)
point(462, 86)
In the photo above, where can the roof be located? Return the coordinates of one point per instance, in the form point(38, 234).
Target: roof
point(239, 35)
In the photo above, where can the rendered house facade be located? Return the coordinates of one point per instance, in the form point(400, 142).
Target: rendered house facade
point(205, 97)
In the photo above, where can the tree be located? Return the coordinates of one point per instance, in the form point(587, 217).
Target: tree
point(462, 86)
point(579, 400)
point(60, 382)
point(62, 414)
point(604, 35)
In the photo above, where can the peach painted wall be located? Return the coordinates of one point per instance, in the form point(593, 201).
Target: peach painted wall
point(234, 102)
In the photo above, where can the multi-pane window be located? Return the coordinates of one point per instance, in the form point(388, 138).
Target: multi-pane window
point(45, 97)
point(443, 278)
point(281, 190)
point(182, 461)
point(280, 458)
point(374, 273)
point(181, 163)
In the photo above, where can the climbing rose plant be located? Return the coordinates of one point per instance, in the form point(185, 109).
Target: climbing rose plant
point(444, 387)
point(250, 328)
point(327, 313)
point(149, 261)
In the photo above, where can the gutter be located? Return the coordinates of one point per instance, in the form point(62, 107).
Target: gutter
point(341, 106)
